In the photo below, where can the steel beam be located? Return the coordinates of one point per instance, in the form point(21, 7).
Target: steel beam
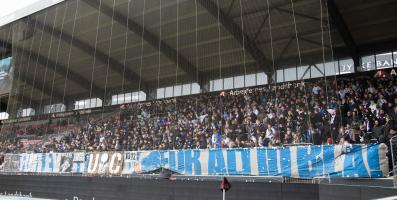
point(114, 64)
point(63, 71)
point(300, 14)
point(152, 39)
point(343, 29)
point(60, 69)
point(39, 85)
point(314, 42)
point(259, 30)
point(234, 29)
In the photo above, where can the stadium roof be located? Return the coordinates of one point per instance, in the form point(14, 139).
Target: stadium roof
point(358, 27)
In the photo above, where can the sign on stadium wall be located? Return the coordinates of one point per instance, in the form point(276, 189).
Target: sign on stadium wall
point(295, 161)
point(379, 64)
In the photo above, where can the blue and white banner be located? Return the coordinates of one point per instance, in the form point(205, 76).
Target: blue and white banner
point(80, 162)
point(102, 163)
point(295, 161)
point(11, 163)
point(40, 162)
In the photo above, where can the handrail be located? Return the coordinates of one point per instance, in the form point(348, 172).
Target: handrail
point(297, 144)
point(393, 159)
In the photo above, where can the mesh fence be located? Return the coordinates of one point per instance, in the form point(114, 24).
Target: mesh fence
point(393, 155)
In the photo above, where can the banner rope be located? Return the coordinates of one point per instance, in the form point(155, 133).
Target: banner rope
point(37, 60)
point(196, 55)
point(104, 102)
point(94, 62)
point(219, 125)
point(18, 67)
point(142, 50)
point(7, 109)
point(28, 64)
point(300, 64)
point(55, 68)
point(159, 58)
point(324, 60)
point(125, 52)
point(177, 57)
point(69, 57)
point(274, 80)
point(336, 67)
point(47, 62)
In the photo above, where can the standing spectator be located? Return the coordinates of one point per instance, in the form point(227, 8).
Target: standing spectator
point(388, 130)
point(377, 131)
point(216, 139)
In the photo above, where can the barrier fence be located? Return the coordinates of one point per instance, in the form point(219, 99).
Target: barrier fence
point(295, 161)
point(393, 154)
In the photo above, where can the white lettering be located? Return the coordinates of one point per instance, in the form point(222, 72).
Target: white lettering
point(378, 63)
point(393, 72)
point(369, 65)
point(349, 66)
point(115, 160)
point(93, 163)
point(77, 198)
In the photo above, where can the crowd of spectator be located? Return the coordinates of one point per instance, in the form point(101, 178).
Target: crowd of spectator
point(361, 110)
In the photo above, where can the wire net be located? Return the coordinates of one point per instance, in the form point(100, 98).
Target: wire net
point(393, 159)
point(154, 65)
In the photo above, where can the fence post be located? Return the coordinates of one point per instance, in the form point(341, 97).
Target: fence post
point(393, 152)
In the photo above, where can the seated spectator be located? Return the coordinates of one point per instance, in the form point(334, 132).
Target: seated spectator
point(347, 112)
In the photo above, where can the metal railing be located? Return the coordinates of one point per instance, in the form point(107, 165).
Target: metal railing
point(297, 144)
point(393, 154)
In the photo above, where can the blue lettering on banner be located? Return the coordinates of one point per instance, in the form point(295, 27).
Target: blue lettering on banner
point(353, 164)
point(310, 161)
point(286, 161)
point(172, 161)
point(23, 163)
point(36, 162)
point(43, 162)
point(328, 159)
point(216, 162)
point(374, 160)
point(181, 162)
point(243, 161)
point(192, 163)
point(300, 161)
point(151, 161)
point(263, 167)
point(164, 158)
point(51, 162)
point(272, 161)
point(78, 167)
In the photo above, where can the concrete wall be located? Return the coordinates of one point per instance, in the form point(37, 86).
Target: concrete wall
point(136, 188)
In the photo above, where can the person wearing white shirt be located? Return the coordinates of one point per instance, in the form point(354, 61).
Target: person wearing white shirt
point(270, 132)
point(316, 90)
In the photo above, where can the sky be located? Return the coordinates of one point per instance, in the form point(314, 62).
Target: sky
point(11, 10)
point(9, 6)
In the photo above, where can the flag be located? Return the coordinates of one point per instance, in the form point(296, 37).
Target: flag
point(225, 185)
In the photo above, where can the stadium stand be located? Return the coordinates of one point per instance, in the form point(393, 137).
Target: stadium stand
point(160, 99)
point(359, 110)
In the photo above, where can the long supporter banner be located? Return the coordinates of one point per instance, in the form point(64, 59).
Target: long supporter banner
point(295, 161)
